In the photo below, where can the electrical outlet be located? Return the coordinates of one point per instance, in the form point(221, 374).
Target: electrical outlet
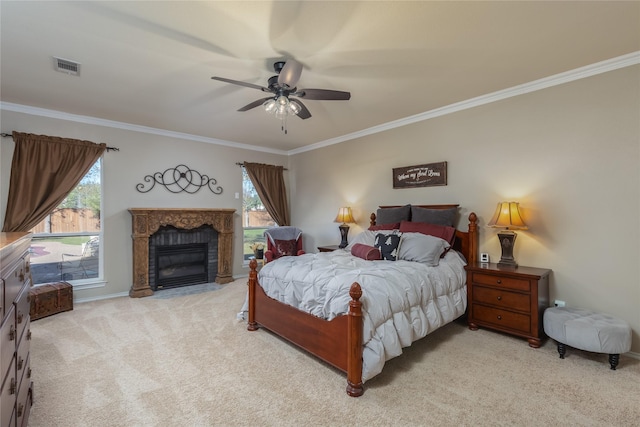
point(558, 303)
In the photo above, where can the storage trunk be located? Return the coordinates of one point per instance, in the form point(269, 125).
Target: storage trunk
point(49, 299)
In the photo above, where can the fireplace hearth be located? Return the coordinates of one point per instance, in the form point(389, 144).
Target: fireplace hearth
point(180, 222)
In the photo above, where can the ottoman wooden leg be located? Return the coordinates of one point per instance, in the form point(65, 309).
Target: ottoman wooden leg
point(613, 360)
point(562, 349)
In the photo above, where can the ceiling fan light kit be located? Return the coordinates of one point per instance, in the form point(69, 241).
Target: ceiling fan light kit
point(282, 87)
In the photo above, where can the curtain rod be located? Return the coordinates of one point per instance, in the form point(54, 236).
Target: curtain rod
point(241, 164)
point(9, 135)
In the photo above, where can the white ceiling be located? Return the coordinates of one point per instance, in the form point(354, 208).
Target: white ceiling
point(150, 63)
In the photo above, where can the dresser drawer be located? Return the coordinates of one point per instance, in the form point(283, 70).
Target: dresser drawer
point(21, 402)
point(14, 279)
point(502, 299)
point(8, 397)
point(22, 352)
point(8, 337)
point(22, 308)
point(502, 318)
point(503, 282)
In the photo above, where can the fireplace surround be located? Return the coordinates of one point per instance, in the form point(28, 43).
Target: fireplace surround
point(146, 221)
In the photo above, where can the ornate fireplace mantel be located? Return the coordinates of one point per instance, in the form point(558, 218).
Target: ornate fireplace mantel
point(146, 221)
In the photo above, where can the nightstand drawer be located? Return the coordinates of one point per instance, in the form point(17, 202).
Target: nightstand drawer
point(502, 318)
point(503, 282)
point(501, 298)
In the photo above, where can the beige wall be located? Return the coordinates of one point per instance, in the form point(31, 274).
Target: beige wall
point(569, 154)
point(140, 154)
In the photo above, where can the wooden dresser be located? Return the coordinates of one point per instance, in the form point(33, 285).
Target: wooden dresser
point(508, 299)
point(16, 393)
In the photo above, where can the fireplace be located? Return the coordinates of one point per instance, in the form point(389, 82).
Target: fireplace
point(181, 257)
point(154, 228)
point(180, 265)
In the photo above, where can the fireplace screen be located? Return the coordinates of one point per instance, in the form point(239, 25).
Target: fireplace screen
point(181, 265)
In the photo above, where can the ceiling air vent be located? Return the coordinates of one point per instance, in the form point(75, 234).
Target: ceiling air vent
point(66, 66)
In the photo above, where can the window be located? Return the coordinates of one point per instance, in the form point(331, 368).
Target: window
point(66, 244)
point(255, 218)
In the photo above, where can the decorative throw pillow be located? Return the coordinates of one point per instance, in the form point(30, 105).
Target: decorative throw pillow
point(441, 231)
point(366, 252)
point(392, 215)
point(284, 248)
point(422, 248)
point(388, 245)
point(392, 226)
point(445, 217)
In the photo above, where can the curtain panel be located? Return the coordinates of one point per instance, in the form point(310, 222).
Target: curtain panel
point(268, 181)
point(44, 170)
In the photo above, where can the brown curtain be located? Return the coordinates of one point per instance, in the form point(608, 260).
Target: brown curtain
point(268, 181)
point(44, 170)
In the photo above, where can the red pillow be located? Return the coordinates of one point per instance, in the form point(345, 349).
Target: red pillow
point(284, 248)
point(365, 252)
point(441, 231)
point(391, 226)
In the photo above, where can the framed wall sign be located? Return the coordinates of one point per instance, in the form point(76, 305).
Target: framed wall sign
point(428, 175)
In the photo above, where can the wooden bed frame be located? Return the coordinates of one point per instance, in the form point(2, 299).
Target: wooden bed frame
point(338, 341)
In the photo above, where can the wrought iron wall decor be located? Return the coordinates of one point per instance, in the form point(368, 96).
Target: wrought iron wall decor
point(179, 179)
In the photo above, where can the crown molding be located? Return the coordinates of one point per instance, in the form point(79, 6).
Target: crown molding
point(555, 80)
point(544, 83)
point(53, 114)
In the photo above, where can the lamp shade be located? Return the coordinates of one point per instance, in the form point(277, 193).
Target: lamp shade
point(508, 216)
point(344, 216)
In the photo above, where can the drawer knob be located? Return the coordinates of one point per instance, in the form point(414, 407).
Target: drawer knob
point(498, 281)
point(499, 298)
point(499, 317)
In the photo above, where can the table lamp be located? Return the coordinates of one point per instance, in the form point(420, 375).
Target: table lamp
point(507, 216)
point(345, 217)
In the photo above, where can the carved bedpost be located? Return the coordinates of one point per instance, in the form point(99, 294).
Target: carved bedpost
point(372, 219)
point(473, 238)
point(253, 281)
point(354, 343)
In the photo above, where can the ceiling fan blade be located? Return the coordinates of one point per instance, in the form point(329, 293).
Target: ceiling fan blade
point(304, 111)
point(254, 104)
point(290, 73)
point(239, 83)
point(323, 94)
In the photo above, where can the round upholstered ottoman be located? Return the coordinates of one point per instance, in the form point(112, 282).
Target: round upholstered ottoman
point(588, 331)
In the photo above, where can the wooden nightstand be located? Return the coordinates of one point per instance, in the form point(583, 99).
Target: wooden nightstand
point(507, 299)
point(328, 248)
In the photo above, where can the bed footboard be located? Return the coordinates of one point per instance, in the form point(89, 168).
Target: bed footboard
point(337, 342)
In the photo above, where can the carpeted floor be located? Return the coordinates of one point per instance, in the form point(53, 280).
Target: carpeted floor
point(187, 361)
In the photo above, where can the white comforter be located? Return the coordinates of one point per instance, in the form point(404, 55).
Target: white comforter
point(402, 301)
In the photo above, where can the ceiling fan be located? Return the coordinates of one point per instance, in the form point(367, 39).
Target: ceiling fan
point(282, 87)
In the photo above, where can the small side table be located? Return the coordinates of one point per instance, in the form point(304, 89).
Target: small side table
point(328, 248)
point(510, 300)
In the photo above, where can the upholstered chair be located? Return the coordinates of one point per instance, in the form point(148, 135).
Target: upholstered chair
point(282, 241)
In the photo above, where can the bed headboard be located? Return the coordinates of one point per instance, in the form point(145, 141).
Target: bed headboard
point(466, 241)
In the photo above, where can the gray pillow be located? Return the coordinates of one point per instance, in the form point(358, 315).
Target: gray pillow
point(419, 247)
point(393, 215)
point(434, 216)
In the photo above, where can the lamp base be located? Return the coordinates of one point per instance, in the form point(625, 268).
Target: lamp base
point(344, 230)
point(507, 241)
